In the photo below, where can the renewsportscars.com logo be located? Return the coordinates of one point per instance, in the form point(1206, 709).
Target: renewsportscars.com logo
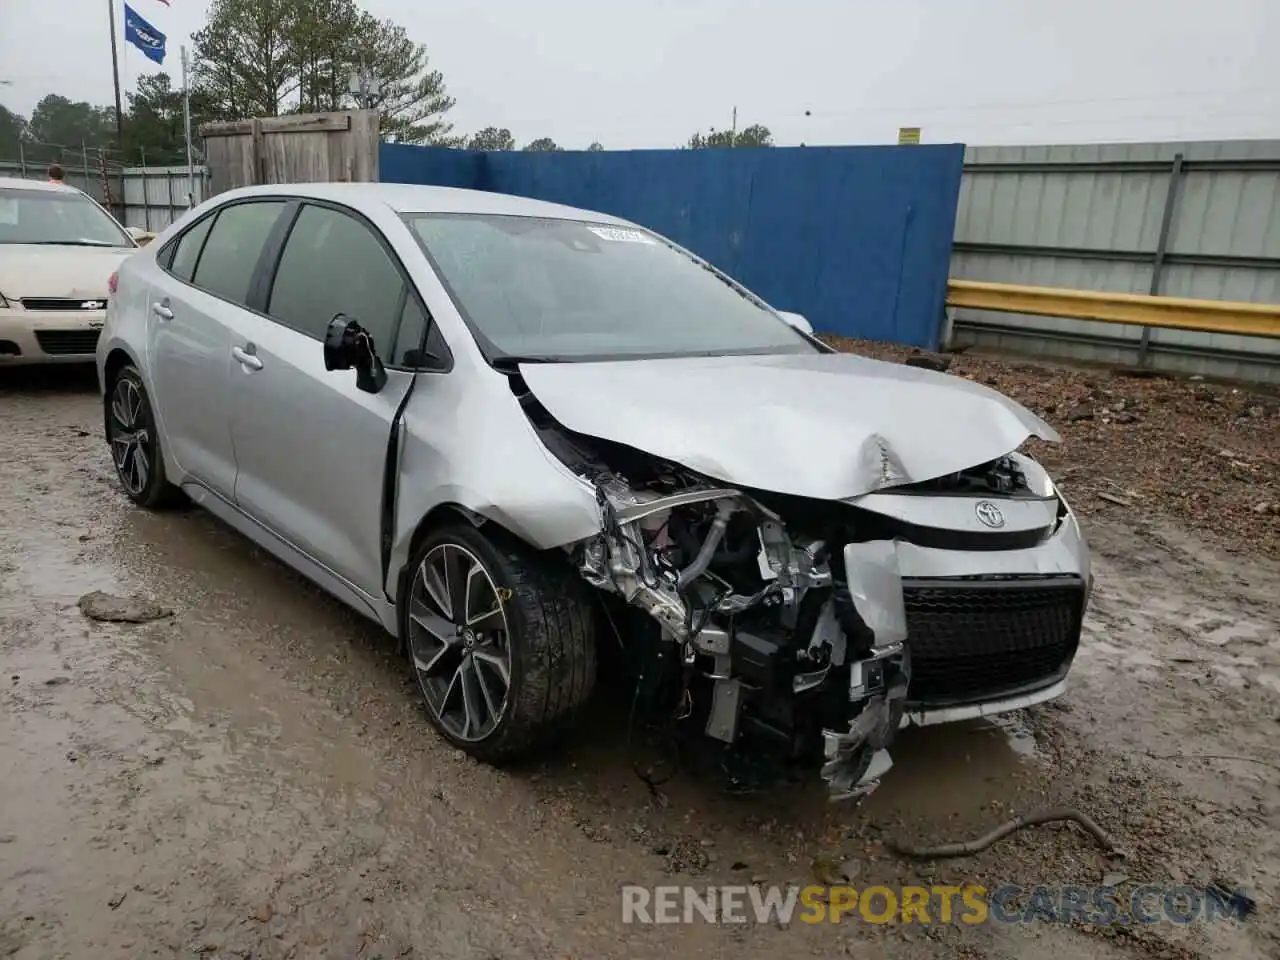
point(973, 904)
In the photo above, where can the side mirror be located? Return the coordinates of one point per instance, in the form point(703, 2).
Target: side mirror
point(797, 321)
point(347, 345)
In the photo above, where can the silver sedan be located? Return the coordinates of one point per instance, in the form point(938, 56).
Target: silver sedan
point(520, 436)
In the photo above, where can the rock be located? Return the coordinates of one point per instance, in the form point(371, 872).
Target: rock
point(1114, 879)
point(109, 609)
point(1125, 418)
point(1263, 508)
point(1112, 498)
point(59, 681)
point(1082, 412)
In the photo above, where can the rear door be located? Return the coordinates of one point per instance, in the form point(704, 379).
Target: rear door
point(205, 285)
point(310, 447)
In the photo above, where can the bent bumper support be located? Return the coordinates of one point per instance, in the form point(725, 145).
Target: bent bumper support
point(856, 758)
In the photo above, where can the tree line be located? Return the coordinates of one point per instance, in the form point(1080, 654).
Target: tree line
point(500, 138)
point(265, 58)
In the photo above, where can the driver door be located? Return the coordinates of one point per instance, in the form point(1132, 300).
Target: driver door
point(310, 447)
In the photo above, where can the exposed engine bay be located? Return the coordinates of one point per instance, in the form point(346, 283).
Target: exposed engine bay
point(785, 614)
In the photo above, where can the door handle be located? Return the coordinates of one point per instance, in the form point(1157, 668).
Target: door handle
point(162, 310)
point(247, 356)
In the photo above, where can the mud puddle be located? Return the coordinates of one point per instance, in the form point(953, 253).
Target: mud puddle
point(255, 777)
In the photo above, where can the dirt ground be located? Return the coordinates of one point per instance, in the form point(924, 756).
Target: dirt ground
point(254, 776)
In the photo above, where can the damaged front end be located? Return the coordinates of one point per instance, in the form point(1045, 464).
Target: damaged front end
point(781, 583)
point(792, 635)
point(801, 640)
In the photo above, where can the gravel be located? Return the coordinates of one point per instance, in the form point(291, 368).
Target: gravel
point(1143, 447)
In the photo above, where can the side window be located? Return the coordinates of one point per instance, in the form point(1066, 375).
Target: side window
point(332, 263)
point(187, 250)
point(235, 243)
point(409, 337)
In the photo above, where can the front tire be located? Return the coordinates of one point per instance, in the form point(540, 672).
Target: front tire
point(135, 442)
point(501, 641)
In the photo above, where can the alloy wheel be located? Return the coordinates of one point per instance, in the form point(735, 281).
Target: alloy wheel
point(130, 438)
point(460, 641)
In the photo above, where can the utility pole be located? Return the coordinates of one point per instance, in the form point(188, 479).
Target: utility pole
point(733, 131)
point(364, 88)
point(115, 74)
point(186, 127)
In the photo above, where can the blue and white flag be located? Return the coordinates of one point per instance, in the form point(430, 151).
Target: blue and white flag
point(143, 35)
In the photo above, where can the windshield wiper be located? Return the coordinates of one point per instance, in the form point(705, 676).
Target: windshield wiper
point(509, 361)
point(70, 243)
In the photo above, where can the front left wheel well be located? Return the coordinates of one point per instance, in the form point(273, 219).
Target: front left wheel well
point(442, 515)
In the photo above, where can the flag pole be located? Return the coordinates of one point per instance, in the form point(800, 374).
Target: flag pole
point(115, 75)
point(186, 126)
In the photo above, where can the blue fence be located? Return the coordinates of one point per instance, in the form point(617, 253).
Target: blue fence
point(858, 239)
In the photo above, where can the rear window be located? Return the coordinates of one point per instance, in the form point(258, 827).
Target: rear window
point(231, 252)
point(57, 218)
point(188, 249)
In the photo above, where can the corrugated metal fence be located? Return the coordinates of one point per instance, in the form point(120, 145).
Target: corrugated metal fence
point(153, 197)
point(858, 239)
point(147, 197)
point(1195, 220)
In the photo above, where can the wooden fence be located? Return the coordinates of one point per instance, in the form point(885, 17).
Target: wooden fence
point(306, 148)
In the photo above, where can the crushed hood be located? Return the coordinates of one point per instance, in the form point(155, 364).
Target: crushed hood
point(828, 426)
point(33, 270)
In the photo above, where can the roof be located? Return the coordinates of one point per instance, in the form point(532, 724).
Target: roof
point(415, 198)
point(20, 183)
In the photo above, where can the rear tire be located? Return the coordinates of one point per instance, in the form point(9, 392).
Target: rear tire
point(135, 442)
point(501, 641)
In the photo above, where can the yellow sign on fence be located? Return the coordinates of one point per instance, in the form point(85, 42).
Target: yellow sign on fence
point(908, 135)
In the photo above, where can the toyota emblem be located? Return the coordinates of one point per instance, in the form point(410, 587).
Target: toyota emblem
point(989, 514)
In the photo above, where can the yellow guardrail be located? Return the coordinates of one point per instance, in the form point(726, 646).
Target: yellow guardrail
point(1179, 313)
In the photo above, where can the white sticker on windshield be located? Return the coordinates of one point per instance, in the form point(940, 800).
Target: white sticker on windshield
point(620, 235)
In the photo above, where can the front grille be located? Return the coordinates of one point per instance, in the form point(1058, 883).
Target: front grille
point(63, 303)
point(979, 639)
point(67, 341)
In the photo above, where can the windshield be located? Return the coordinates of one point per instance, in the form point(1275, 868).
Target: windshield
point(49, 217)
point(546, 289)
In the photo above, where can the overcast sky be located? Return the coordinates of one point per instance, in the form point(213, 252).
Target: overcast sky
point(651, 72)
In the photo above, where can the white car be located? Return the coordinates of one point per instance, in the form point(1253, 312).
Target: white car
point(58, 251)
point(509, 431)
